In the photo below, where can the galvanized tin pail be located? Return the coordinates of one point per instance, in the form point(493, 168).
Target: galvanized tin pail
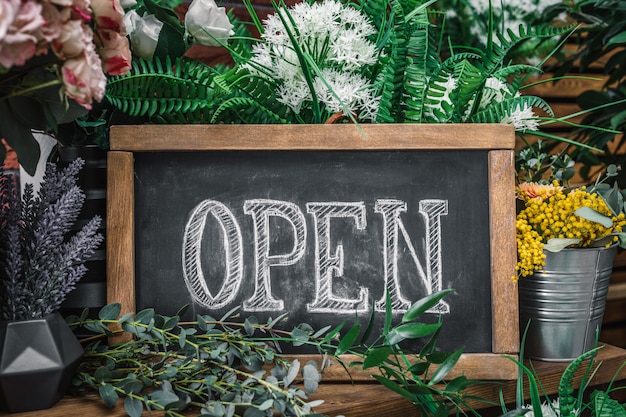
point(565, 303)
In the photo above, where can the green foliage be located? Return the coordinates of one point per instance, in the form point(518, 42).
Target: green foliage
point(221, 367)
point(175, 92)
point(601, 37)
point(230, 367)
point(422, 377)
point(412, 78)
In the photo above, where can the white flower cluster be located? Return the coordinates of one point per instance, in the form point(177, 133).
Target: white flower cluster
point(495, 91)
point(548, 410)
point(334, 36)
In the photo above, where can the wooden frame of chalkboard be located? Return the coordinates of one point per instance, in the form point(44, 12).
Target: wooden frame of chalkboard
point(495, 143)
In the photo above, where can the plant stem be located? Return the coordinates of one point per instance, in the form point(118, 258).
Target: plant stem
point(26, 91)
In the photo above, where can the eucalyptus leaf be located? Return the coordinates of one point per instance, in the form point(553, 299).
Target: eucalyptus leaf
point(292, 373)
point(108, 394)
point(145, 316)
point(594, 216)
point(133, 406)
point(110, 311)
point(163, 397)
point(558, 244)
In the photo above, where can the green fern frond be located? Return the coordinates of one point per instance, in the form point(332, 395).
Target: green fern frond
point(437, 97)
point(159, 88)
point(391, 80)
point(496, 55)
point(422, 60)
point(469, 82)
point(497, 112)
point(567, 402)
point(259, 89)
point(247, 111)
point(605, 406)
point(516, 69)
point(240, 44)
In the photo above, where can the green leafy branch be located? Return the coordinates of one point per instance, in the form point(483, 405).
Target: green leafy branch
point(222, 367)
point(169, 365)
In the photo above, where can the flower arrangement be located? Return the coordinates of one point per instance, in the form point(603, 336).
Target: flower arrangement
point(555, 217)
point(54, 55)
point(39, 265)
point(369, 61)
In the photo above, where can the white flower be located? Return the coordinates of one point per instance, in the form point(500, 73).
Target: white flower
point(522, 118)
point(335, 37)
point(144, 33)
point(207, 23)
point(350, 89)
point(548, 410)
point(127, 4)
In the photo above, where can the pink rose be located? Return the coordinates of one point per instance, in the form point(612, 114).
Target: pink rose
point(8, 11)
point(54, 21)
point(19, 42)
point(83, 78)
point(108, 15)
point(73, 39)
point(114, 52)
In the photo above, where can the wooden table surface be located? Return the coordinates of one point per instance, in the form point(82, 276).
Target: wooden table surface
point(365, 399)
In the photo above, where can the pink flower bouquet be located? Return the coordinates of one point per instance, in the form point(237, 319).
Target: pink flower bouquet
point(54, 57)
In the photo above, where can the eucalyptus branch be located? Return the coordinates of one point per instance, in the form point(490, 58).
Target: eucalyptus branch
point(218, 366)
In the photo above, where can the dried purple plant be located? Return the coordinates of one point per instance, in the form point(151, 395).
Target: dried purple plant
point(40, 263)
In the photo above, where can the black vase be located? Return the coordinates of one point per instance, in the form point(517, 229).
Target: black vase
point(38, 359)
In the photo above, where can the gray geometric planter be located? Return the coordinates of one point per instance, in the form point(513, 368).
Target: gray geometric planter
point(38, 359)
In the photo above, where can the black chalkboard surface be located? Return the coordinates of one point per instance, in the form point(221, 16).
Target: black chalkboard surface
point(318, 232)
point(284, 188)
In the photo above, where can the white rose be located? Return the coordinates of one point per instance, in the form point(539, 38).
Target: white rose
point(144, 33)
point(127, 4)
point(207, 23)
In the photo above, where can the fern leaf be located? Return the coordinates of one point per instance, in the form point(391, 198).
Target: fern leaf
point(605, 406)
point(247, 110)
point(153, 89)
point(421, 58)
point(391, 82)
point(504, 110)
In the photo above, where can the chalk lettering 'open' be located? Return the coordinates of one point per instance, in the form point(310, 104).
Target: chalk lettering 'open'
point(328, 265)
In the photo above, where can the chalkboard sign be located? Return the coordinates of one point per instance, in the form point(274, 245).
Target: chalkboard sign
point(318, 222)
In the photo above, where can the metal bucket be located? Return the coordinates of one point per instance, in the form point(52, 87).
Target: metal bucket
point(565, 303)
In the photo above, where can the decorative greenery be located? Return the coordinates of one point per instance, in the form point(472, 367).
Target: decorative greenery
point(569, 401)
point(601, 38)
point(40, 263)
point(554, 218)
point(392, 56)
point(229, 367)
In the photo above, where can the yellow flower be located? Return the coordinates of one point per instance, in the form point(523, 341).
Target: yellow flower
point(550, 213)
